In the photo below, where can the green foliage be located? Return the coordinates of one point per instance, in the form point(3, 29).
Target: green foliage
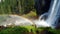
point(32, 14)
point(55, 31)
point(14, 6)
point(26, 30)
point(14, 30)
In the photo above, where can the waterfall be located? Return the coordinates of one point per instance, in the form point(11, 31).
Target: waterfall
point(48, 19)
point(52, 18)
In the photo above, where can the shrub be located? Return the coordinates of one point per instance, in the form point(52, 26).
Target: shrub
point(14, 30)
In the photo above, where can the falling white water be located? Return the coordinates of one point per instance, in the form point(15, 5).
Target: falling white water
point(51, 15)
point(52, 18)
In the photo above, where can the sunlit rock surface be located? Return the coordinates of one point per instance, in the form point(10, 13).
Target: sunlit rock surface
point(14, 19)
